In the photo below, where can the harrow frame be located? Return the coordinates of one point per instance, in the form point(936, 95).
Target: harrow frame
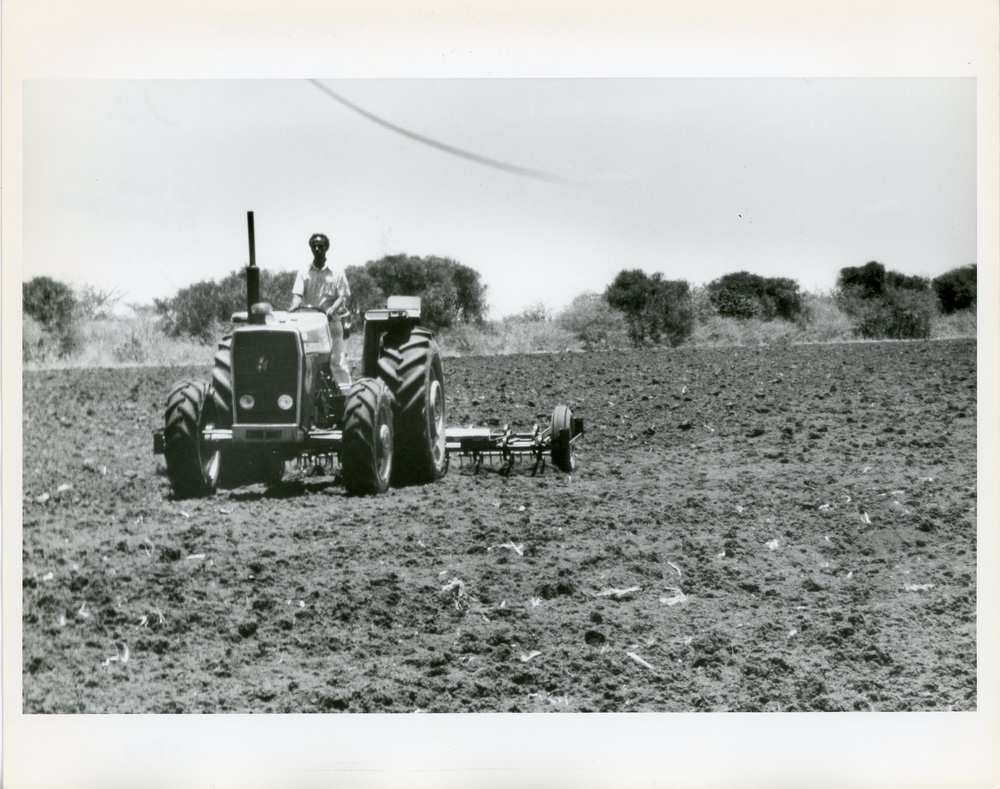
point(556, 440)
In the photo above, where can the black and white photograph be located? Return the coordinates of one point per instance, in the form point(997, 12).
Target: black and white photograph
point(491, 408)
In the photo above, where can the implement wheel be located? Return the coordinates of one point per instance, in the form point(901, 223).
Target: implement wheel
point(192, 467)
point(562, 433)
point(411, 367)
point(366, 453)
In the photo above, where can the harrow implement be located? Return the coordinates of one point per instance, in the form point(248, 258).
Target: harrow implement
point(508, 447)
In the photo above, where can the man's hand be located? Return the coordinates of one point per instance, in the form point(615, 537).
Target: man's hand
point(334, 309)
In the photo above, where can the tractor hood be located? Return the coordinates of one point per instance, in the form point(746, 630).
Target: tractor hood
point(312, 326)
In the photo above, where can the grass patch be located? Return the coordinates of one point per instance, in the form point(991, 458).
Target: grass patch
point(506, 337)
point(951, 327)
point(134, 341)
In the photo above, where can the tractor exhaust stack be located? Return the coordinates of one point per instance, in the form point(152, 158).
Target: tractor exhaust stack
point(253, 273)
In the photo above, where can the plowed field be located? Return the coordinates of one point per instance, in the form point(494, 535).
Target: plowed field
point(747, 529)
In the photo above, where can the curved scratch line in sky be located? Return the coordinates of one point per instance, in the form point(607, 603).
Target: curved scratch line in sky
point(510, 168)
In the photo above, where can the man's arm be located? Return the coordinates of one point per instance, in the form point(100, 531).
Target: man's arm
point(297, 290)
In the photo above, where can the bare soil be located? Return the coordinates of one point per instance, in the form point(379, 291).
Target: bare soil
point(748, 529)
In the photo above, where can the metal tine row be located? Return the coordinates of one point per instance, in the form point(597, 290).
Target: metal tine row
point(508, 454)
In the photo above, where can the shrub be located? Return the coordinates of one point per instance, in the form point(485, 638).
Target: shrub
point(52, 305)
point(867, 281)
point(823, 320)
point(200, 310)
point(886, 305)
point(593, 322)
point(94, 303)
point(450, 293)
point(898, 315)
point(745, 295)
point(896, 281)
point(961, 323)
point(37, 344)
point(654, 308)
point(49, 302)
point(701, 304)
point(671, 313)
point(365, 292)
point(956, 289)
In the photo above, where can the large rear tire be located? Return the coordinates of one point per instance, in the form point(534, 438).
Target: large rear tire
point(366, 453)
point(192, 466)
point(411, 367)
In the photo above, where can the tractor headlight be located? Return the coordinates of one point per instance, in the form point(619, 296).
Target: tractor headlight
point(246, 402)
point(285, 402)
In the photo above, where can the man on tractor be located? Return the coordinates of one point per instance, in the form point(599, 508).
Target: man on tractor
point(324, 288)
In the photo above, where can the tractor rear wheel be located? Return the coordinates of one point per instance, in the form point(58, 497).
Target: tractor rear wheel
point(411, 367)
point(562, 433)
point(192, 466)
point(366, 453)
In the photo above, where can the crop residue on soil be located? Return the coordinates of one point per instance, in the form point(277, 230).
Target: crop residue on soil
point(748, 530)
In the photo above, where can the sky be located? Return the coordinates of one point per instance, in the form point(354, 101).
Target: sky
point(142, 186)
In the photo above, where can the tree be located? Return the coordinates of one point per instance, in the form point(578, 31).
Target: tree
point(956, 289)
point(365, 291)
point(653, 307)
point(450, 292)
point(745, 295)
point(199, 309)
point(53, 307)
point(867, 281)
point(885, 304)
point(48, 301)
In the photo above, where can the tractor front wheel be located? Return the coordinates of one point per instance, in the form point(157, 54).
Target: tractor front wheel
point(366, 453)
point(192, 466)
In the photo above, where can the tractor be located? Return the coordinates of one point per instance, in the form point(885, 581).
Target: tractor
point(273, 397)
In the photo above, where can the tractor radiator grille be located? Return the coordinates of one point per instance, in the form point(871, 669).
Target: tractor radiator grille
point(265, 367)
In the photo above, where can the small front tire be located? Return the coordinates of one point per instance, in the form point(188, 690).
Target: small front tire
point(192, 465)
